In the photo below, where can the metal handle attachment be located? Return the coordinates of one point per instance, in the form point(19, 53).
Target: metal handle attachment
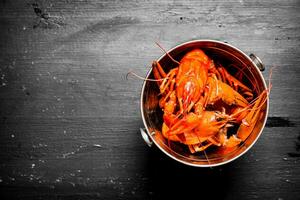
point(257, 61)
point(146, 137)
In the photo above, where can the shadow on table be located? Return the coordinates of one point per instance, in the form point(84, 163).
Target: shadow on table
point(168, 178)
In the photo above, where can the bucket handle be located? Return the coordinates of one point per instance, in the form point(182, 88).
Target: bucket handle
point(257, 61)
point(146, 137)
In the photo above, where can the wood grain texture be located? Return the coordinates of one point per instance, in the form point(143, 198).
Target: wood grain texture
point(69, 119)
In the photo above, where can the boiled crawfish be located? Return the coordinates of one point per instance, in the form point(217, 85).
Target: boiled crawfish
point(202, 100)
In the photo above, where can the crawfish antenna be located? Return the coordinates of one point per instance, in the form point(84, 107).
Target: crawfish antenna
point(142, 78)
point(205, 153)
point(270, 78)
point(167, 53)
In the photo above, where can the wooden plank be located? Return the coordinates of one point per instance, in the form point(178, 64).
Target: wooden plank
point(69, 119)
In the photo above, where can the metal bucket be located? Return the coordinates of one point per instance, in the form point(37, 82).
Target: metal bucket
point(152, 114)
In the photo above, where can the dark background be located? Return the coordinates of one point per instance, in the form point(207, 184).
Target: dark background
point(69, 119)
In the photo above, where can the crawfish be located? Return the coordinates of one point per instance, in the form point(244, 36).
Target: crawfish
point(200, 126)
point(186, 92)
point(189, 78)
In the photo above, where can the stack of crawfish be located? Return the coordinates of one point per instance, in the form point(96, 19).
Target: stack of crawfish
point(201, 100)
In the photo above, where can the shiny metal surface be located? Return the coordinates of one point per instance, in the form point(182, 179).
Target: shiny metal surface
point(257, 61)
point(145, 137)
point(152, 115)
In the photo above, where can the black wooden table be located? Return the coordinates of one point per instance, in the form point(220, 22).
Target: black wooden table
point(69, 119)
